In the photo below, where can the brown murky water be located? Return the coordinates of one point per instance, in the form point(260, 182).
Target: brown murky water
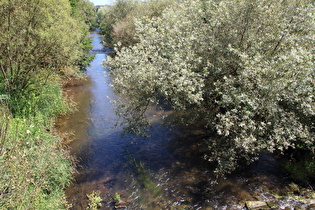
point(164, 171)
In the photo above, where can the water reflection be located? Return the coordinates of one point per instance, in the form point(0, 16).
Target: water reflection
point(165, 171)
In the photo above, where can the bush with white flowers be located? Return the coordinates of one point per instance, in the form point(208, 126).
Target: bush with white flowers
point(243, 70)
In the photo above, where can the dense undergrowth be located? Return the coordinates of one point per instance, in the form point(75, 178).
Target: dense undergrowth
point(35, 167)
point(43, 42)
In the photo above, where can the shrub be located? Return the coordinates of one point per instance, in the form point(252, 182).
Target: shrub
point(300, 166)
point(40, 39)
point(35, 168)
point(243, 70)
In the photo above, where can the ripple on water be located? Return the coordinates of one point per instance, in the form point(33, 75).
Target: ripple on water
point(164, 171)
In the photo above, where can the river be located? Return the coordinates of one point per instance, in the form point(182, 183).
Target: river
point(163, 171)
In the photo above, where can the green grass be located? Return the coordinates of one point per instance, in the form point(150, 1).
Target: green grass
point(34, 166)
point(44, 99)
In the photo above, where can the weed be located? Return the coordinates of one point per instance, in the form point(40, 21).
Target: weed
point(34, 167)
point(94, 200)
point(117, 197)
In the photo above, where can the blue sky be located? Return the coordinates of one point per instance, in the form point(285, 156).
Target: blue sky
point(102, 2)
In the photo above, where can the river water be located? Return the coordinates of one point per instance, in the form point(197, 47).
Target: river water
point(163, 171)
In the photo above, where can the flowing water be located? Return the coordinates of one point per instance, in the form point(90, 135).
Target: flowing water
point(163, 171)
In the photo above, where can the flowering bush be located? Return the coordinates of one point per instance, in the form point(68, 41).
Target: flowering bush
point(244, 70)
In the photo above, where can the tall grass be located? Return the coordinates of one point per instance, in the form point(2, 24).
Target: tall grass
point(34, 166)
point(41, 99)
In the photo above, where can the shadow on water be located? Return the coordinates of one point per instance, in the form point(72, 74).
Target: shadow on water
point(164, 171)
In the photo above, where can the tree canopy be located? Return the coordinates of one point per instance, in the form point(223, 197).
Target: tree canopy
point(242, 70)
point(39, 38)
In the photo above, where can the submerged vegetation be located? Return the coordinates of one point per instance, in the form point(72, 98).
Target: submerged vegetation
point(241, 70)
point(42, 43)
point(143, 178)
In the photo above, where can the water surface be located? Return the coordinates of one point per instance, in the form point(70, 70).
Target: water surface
point(164, 171)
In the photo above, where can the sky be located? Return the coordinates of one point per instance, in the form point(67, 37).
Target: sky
point(102, 2)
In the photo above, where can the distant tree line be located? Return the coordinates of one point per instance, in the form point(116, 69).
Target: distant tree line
point(117, 22)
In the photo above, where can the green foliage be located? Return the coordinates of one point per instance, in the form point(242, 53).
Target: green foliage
point(41, 42)
point(95, 200)
point(47, 101)
point(85, 59)
point(301, 166)
point(40, 39)
point(302, 171)
point(117, 197)
point(84, 11)
point(242, 70)
point(34, 167)
point(111, 15)
point(144, 178)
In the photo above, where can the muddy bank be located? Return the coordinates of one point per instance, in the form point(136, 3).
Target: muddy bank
point(77, 91)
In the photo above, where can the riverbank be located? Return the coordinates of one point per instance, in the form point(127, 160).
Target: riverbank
point(76, 92)
point(35, 166)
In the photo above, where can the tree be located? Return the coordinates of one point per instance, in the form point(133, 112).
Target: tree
point(112, 15)
point(118, 21)
point(242, 70)
point(84, 11)
point(39, 39)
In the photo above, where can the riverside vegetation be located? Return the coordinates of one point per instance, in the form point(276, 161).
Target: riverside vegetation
point(43, 42)
point(242, 71)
